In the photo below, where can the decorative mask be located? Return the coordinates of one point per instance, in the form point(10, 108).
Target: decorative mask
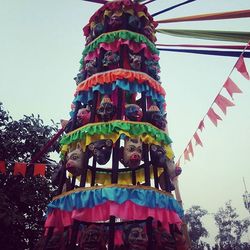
point(111, 59)
point(135, 238)
point(158, 156)
point(153, 69)
point(132, 152)
point(134, 22)
point(155, 117)
point(106, 110)
point(116, 20)
point(83, 116)
point(98, 29)
point(91, 67)
point(93, 238)
point(74, 162)
point(133, 112)
point(57, 241)
point(135, 62)
point(79, 77)
point(101, 150)
point(164, 240)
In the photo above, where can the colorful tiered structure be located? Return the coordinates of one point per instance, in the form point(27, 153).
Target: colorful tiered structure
point(117, 159)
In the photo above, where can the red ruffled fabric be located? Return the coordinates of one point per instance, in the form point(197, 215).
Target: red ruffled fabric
point(119, 74)
point(115, 46)
point(126, 211)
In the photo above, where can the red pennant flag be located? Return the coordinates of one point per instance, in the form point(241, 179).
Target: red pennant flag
point(197, 139)
point(231, 87)
point(20, 168)
point(201, 125)
point(223, 103)
point(186, 155)
point(213, 116)
point(241, 67)
point(190, 149)
point(39, 169)
point(2, 167)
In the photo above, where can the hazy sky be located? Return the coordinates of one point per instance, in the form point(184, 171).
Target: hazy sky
point(41, 46)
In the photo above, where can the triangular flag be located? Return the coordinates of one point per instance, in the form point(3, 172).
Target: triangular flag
point(2, 167)
point(201, 125)
point(190, 149)
point(231, 87)
point(186, 154)
point(197, 139)
point(213, 116)
point(241, 67)
point(223, 103)
point(20, 168)
point(39, 169)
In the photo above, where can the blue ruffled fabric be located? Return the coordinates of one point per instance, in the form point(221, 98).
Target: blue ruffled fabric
point(131, 87)
point(93, 197)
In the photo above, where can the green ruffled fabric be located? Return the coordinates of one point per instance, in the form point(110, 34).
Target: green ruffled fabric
point(135, 129)
point(120, 34)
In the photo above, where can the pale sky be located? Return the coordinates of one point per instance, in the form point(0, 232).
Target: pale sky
point(41, 46)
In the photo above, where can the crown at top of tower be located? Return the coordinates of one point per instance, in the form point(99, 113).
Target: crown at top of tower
point(120, 15)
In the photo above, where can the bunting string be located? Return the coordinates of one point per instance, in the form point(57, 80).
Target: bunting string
point(222, 102)
point(20, 168)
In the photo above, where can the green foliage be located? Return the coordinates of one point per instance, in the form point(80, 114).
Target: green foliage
point(196, 229)
point(231, 228)
point(23, 200)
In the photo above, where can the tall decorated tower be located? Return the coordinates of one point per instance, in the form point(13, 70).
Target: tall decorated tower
point(117, 170)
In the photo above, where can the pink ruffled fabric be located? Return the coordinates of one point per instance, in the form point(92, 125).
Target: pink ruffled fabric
point(126, 211)
point(115, 46)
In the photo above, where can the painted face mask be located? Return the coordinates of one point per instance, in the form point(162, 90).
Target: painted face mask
point(134, 23)
point(155, 117)
point(158, 156)
point(91, 67)
point(164, 240)
point(101, 150)
point(83, 116)
point(135, 238)
point(79, 78)
point(111, 60)
point(106, 111)
point(97, 30)
point(135, 62)
point(115, 21)
point(132, 153)
point(74, 162)
point(93, 238)
point(133, 112)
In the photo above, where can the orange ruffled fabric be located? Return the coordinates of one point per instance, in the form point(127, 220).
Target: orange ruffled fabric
point(113, 75)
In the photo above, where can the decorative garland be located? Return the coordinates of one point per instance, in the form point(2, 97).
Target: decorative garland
point(120, 34)
point(119, 74)
point(131, 87)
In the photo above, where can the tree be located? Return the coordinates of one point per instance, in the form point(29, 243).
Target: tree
point(23, 200)
point(196, 230)
point(231, 228)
